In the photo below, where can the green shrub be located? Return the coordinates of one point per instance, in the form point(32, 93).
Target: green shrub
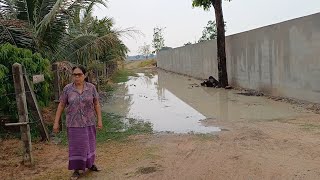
point(34, 64)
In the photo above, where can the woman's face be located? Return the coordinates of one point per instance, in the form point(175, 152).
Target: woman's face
point(78, 76)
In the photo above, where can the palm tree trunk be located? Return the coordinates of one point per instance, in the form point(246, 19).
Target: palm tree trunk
point(222, 65)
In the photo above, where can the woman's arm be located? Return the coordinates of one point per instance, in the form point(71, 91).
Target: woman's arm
point(97, 108)
point(58, 116)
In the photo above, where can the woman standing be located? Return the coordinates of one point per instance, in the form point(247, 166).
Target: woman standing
point(81, 100)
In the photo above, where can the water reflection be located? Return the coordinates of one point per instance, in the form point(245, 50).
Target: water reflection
point(176, 103)
point(146, 98)
point(222, 106)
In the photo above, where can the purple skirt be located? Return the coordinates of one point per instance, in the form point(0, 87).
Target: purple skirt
point(82, 147)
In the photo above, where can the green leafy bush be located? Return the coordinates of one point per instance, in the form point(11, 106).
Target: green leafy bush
point(34, 64)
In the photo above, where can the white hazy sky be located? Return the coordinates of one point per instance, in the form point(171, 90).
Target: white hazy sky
point(184, 23)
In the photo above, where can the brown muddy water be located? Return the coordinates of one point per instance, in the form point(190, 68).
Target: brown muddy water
point(175, 103)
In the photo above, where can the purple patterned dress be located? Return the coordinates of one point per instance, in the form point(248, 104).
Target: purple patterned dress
point(81, 124)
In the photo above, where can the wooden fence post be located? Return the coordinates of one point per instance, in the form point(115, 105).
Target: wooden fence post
point(56, 82)
point(104, 70)
point(97, 79)
point(34, 108)
point(23, 113)
point(107, 71)
point(56, 87)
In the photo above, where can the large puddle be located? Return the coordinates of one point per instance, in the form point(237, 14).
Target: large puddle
point(142, 98)
point(175, 103)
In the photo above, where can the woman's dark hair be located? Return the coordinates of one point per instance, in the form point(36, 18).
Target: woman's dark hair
point(211, 77)
point(81, 68)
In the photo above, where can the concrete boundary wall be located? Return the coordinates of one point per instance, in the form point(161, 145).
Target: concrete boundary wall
point(281, 59)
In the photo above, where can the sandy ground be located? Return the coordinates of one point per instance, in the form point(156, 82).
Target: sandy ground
point(260, 139)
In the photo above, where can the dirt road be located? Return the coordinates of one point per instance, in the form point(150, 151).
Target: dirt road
point(258, 138)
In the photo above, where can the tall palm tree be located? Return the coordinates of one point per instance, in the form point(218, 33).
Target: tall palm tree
point(43, 21)
point(92, 39)
point(55, 28)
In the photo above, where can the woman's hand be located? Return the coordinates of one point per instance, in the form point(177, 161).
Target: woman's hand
point(57, 118)
point(100, 124)
point(56, 127)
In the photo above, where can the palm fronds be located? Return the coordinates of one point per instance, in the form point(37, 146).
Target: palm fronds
point(16, 33)
point(62, 30)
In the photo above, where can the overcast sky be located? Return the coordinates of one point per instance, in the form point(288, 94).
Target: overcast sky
point(184, 23)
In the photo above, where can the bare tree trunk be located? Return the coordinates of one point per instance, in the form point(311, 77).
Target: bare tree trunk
point(222, 64)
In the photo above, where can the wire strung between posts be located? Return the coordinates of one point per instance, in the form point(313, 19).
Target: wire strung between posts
point(9, 94)
point(7, 76)
point(29, 74)
point(34, 120)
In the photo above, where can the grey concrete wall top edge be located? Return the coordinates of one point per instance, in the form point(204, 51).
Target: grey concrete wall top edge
point(274, 24)
point(188, 46)
point(244, 32)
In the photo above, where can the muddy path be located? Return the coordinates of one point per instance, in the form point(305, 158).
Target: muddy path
point(215, 133)
point(199, 133)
